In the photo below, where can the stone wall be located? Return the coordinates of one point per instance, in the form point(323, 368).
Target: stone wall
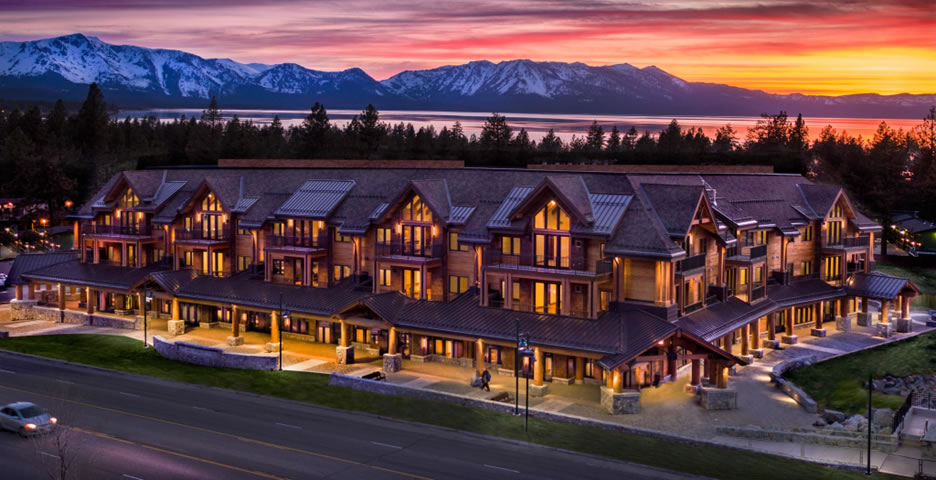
point(788, 387)
point(836, 438)
point(213, 356)
point(47, 314)
point(30, 310)
point(21, 309)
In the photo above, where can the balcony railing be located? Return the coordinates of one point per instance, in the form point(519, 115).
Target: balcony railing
point(131, 229)
point(691, 263)
point(755, 253)
point(528, 307)
point(693, 307)
point(496, 257)
point(220, 234)
point(860, 241)
point(758, 293)
point(758, 252)
point(276, 241)
point(396, 249)
point(854, 267)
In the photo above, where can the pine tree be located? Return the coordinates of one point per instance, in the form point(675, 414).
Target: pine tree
point(314, 132)
point(496, 133)
point(371, 130)
point(725, 141)
point(594, 140)
point(630, 139)
point(91, 125)
point(614, 141)
point(212, 115)
point(551, 143)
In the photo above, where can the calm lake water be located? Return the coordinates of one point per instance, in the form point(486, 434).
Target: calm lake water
point(537, 124)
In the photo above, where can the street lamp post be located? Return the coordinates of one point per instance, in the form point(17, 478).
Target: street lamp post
point(870, 389)
point(525, 349)
point(284, 315)
point(517, 372)
point(147, 298)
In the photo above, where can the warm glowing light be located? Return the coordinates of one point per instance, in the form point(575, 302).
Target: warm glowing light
point(399, 228)
point(552, 203)
point(30, 426)
point(53, 420)
point(117, 213)
point(434, 230)
point(68, 203)
point(289, 223)
point(660, 343)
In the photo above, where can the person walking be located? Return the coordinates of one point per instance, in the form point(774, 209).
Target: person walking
point(486, 380)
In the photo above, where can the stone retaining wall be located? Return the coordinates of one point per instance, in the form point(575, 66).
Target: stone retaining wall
point(20, 309)
point(31, 310)
point(884, 443)
point(213, 356)
point(788, 387)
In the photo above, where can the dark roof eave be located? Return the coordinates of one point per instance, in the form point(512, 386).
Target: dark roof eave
point(643, 253)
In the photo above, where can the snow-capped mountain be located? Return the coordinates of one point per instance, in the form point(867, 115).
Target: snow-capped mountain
point(132, 76)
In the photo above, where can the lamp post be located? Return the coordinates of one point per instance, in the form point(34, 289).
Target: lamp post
point(147, 298)
point(525, 349)
point(284, 315)
point(870, 389)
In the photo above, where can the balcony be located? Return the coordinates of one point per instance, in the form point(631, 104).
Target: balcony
point(848, 243)
point(495, 259)
point(528, 307)
point(289, 242)
point(758, 293)
point(130, 230)
point(745, 254)
point(409, 254)
point(205, 237)
point(693, 264)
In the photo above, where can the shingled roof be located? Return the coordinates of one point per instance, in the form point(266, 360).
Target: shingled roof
point(879, 285)
point(28, 262)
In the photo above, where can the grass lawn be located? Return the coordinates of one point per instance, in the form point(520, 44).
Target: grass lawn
point(839, 383)
point(923, 278)
point(127, 355)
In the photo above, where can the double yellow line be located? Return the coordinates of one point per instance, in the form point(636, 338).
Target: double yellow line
point(215, 432)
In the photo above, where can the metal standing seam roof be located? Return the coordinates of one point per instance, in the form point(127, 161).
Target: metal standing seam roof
point(94, 275)
point(459, 215)
point(316, 199)
point(878, 285)
point(244, 203)
point(378, 211)
point(166, 191)
point(608, 209)
point(29, 262)
point(501, 217)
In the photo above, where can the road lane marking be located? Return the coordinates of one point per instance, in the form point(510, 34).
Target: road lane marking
point(385, 445)
point(495, 467)
point(130, 394)
point(201, 408)
point(7, 371)
point(64, 381)
point(288, 426)
point(215, 432)
point(177, 454)
point(50, 454)
point(131, 477)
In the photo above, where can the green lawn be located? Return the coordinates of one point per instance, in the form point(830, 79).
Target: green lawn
point(120, 353)
point(839, 383)
point(923, 278)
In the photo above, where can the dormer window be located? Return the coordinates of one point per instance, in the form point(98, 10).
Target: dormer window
point(837, 211)
point(416, 211)
point(551, 217)
point(128, 200)
point(211, 204)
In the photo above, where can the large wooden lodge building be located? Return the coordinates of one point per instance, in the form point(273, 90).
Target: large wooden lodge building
point(618, 279)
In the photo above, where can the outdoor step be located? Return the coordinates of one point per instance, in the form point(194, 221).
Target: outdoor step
point(23, 327)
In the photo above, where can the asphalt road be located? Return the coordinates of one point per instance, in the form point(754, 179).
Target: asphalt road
point(128, 427)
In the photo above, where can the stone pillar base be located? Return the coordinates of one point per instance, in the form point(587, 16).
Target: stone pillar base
point(207, 324)
point(505, 372)
point(690, 388)
point(843, 324)
point(271, 347)
point(539, 390)
point(818, 332)
point(767, 343)
point(419, 358)
point(563, 380)
point(235, 341)
point(344, 355)
point(789, 339)
point(883, 330)
point(624, 403)
point(176, 327)
point(757, 352)
point(903, 325)
point(864, 319)
point(718, 398)
point(392, 363)
point(748, 359)
point(475, 381)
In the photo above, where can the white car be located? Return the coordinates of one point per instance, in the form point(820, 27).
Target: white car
point(26, 419)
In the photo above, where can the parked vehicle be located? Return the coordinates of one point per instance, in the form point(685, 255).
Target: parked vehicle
point(26, 419)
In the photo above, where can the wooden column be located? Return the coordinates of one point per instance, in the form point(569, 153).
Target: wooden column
point(696, 372)
point(864, 304)
point(609, 379)
point(92, 301)
point(885, 311)
point(820, 312)
point(848, 305)
point(789, 322)
point(274, 326)
point(755, 334)
point(479, 356)
point(905, 307)
point(123, 254)
point(235, 322)
point(392, 341)
point(176, 314)
point(579, 370)
point(745, 340)
point(538, 366)
point(19, 292)
point(838, 307)
point(721, 374)
point(616, 380)
point(345, 334)
point(671, 362)
point(772, 326)
point(61, 296)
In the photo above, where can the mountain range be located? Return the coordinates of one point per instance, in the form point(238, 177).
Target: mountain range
point(137, 77)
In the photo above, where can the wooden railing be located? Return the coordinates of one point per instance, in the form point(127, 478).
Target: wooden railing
point(691, 263)
point(131, 229)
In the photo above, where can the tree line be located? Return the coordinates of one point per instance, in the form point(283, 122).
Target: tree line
point(52, 155)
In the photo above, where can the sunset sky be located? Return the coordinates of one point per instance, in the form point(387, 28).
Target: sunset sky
point(816, 47)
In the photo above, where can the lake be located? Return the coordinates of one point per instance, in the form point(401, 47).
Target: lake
point(537, 124)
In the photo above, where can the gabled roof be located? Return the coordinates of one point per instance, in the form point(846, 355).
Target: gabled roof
point(608, 211)
point(675, 205)
point(879, 285)
point(316, 199)
point(501, 217)
point(28, 262)
point(820, 197)
point(571, 192)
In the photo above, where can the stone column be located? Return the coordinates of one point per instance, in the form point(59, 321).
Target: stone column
point(696, 372)
point(273, 345)
point(864, 318)
point(579, 370)
point(345, 352)
point(392, 361)
point(175, 325)
point(789, 337)
point(235, 339)
point(904, 324)
point(538, 389)
point(61, 296)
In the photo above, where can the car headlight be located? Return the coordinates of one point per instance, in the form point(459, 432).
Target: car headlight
point(53, 420)
point(30, 426)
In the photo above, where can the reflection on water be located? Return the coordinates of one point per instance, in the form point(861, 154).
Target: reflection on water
point(537, 124)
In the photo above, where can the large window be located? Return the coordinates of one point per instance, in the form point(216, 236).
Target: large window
point(340, 272)
point(211, 204)
point(834, 234)
point(833, 268)
point(838, 211)
point(806, 267)
point(412, 282)
point(128, 199)
point(416, 210)
point(243, 263)
point(384, 277)
point(455, 245)
point(510, 245)
point(278, 267)
point(755, 238)
point(808, 233)
point(458, 284)
point(547, 297)
point(551, 217)
point(552, 250)
point(383, 236)
point(416, 240)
